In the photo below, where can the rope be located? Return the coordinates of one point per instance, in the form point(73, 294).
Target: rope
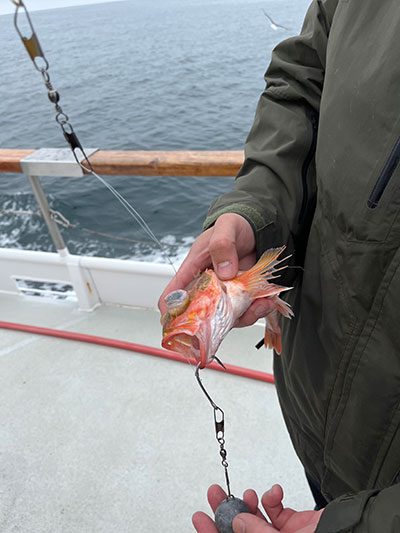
point(61, 220)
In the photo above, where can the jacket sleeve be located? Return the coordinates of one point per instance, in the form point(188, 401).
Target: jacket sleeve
point(272, 189)
point(365, 512)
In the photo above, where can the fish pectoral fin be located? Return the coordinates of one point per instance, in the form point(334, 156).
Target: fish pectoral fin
point(283, 307)
point(269, 289)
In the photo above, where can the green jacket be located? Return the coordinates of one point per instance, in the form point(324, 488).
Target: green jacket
point(322, 174)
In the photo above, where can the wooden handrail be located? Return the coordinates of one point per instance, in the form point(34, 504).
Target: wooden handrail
point(147, 163)
point(9, 159)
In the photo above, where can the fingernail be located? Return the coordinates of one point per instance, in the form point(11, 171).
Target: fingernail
point(239, 526)
point(224, 268)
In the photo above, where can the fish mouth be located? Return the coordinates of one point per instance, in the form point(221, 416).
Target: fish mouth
point(189, 344)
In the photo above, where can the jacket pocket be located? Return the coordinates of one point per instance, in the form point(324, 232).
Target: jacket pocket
point(305, 168)
point(385, 176)
point(376, 217)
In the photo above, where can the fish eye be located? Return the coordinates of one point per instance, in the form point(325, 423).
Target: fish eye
point(176, 298)
point(177, 302)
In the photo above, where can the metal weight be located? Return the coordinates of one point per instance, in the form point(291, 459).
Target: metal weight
point(226, 512)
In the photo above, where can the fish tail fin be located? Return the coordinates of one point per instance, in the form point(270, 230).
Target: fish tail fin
point(256, 279)
point(273, 339)
point(273, 334)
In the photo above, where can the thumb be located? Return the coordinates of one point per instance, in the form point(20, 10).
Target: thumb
point(249, 523)
point(222, 248)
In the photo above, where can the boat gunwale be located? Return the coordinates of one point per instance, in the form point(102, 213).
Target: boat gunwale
point(201, 163)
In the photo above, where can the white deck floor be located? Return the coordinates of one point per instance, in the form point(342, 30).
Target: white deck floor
point(95, 439)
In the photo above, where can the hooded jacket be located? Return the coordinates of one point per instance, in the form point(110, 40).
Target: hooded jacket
point(322, 174)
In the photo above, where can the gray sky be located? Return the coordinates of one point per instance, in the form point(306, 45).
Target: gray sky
point(6, 6)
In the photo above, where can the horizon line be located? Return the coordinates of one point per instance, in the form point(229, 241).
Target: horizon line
point(76, 3)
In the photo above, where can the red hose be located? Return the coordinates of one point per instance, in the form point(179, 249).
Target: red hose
point(133, 347)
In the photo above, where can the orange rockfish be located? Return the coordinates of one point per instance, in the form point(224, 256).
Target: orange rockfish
point(199, 318)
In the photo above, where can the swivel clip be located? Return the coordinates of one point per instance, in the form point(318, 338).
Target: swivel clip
point(31, 44)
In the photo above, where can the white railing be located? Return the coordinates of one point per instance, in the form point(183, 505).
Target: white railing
point(94, 280)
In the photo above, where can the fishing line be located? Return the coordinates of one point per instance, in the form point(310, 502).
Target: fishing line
point(35, 51)
point(135, 215)
point(219, 422)
point(132, 211)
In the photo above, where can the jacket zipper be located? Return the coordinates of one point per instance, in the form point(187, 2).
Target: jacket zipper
point(384, 177)
point(306, 165)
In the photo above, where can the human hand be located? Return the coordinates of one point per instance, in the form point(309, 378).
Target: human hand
point(284, 520)
point(227, 246)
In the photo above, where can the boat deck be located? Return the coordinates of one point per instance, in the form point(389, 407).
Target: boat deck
point(96, 439)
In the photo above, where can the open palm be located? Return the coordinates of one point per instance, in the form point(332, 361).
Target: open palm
point(281, 519)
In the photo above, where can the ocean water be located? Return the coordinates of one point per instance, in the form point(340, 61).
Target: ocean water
point(134, 75)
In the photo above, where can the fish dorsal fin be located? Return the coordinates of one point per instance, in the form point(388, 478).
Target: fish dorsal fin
point(256, 279)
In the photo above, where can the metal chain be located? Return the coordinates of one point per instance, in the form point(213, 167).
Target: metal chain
point(219, 422)
point(35, 51)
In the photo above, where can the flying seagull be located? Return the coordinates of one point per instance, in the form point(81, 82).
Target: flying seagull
point(274, 25)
